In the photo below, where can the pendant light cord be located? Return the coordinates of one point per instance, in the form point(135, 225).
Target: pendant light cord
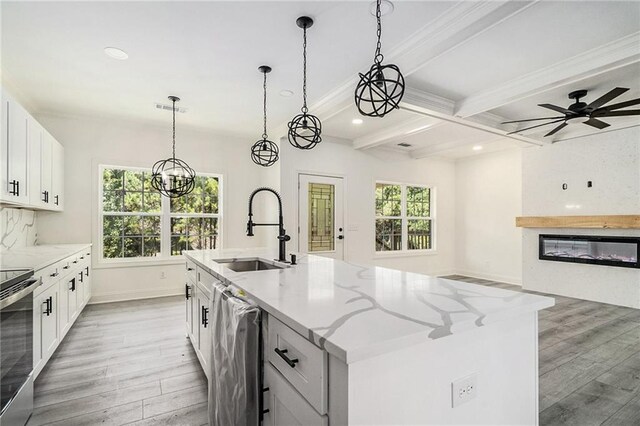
point(304, 71)
point(378, 56)
point(264, 104)
point(174, 130)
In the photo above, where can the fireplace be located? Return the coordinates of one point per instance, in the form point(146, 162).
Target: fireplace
point(596, 250)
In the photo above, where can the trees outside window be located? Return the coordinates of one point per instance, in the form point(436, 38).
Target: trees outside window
point(138, 223)
point(404, 217)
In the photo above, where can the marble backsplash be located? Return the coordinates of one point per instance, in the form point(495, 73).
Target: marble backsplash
point(17, 228)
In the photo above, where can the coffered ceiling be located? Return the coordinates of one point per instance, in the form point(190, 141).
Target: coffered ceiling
point(469, 64)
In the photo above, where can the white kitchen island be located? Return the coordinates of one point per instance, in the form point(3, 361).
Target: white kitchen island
point(379, 346)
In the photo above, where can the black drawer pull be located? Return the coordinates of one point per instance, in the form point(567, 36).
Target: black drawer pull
point(73, 284)
point(282, 352)
point(205, 317)
point(48, 307)
point(87, 269)
point(55, 274)
point(15, 188)
point(189, 269)
point(56, 200)
point(66, 267)
point(187, 293)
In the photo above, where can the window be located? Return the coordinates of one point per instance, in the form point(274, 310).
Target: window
point(137, 222)
point(404, 217)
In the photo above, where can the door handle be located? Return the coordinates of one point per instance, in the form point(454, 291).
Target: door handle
point(283, 354)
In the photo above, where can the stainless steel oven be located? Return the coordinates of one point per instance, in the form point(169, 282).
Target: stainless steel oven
point(16, 345)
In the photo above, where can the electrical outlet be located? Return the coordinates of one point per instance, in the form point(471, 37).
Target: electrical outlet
point(163, 275)
point(464, 390)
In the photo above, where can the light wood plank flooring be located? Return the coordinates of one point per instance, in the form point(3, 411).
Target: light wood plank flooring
point(589, 361)
point(124, 363)
point(130, 363)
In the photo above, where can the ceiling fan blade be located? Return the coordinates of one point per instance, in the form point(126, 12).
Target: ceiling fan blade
point(609, 96)
point(621, 105)
point(596, 123)
point(557, 129)
point(620, 113)
point(539, 125)
point(555, 108)
point(531, 119)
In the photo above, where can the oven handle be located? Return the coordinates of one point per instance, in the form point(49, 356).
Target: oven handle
point(33, 283)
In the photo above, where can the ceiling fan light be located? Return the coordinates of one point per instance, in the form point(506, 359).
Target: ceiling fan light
point(578, 119)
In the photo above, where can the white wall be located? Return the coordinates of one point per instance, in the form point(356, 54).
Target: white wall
point(488, 198)
point(611, 160)
point(360, 171)
point(92, 141)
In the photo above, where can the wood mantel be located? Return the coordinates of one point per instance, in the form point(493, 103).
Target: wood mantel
point(601, 222)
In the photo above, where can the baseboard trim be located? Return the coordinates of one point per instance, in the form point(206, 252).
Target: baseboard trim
point(498, 278)
point(133, 295)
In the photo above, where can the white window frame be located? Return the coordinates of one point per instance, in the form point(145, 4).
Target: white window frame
point(405, 220)
point(165, 221)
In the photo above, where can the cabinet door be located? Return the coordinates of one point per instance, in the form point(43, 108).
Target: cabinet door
point(46, 166)
point(204, 331)
point(80, 289)
point(285, 405)
point(72, 301)
point(57, 173)
point(188, 302)
point(37, 194)
point(64, 322)
point(14, 183)
point(87, 283)
point(49, 336)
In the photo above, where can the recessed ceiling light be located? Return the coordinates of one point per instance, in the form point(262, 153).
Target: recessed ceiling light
point(386, 8)
point(357, 121)
point(286, 93)
point(477, 148)
point(116, 53)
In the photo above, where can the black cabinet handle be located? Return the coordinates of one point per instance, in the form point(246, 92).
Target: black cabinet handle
point(341, 237)
point(205, 316)
point(282, 352)
point(15, 188)
point(56, 200)
point(45, 196)
point(47, 309)
point(87, 271)
point(187, 293)
point(73, 284)
point(50, 304)
point(189, 269)
point(81, 276)
point(66, 267)
point(55, 274)
point(75, 261)
point(81, 257)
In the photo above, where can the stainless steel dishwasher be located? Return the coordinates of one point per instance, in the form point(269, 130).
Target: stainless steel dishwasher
point(235, 384)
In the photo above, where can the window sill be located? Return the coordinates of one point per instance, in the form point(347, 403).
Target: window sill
point(138, 263)
point(406, 253)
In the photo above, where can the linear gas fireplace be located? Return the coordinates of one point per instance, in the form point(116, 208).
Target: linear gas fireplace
point(597, 250)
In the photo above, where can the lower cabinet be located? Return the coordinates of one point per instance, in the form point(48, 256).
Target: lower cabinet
point(66, 290)
point(48, 319)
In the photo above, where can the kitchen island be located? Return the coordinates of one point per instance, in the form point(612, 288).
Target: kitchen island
point(379, 346)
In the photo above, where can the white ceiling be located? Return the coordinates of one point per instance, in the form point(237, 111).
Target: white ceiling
point(465, 62)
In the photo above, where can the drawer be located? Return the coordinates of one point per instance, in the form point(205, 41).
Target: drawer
point(285, 405)
point(301, 362)
point(191, 270)
point(49, 274)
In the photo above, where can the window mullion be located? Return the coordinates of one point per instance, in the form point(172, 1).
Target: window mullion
point(405, 223)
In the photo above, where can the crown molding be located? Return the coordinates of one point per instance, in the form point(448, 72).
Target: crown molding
point(616, 54)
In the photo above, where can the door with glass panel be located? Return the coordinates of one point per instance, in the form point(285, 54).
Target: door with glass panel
point(321, 215)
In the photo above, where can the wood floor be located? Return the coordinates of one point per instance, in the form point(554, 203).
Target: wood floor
point(130, 363)
point(589, 362)
point(124, 363)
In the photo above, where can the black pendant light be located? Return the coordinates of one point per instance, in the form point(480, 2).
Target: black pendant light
point(380, 90)
point(264, 152)
point(304, 129)
point(173, 177)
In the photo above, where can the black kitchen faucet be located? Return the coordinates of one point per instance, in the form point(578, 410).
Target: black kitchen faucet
point(282, 234)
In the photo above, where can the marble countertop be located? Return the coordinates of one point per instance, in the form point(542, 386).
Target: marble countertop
point(38, 257)
point(356, 312)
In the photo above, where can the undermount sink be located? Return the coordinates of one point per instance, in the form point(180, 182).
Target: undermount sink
point(248, 265)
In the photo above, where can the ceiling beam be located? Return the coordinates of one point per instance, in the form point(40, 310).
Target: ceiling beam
point(411, 126)
point(607, 57)
point(431, 150)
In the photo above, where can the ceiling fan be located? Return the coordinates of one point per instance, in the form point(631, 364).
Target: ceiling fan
point(580, 112)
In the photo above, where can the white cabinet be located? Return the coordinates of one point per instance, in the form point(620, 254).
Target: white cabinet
point(31, 160)
point(57, 173)
point(286, 406)
point(190, 310)
point(46, 331)
point(204, 330)
point(14, 156)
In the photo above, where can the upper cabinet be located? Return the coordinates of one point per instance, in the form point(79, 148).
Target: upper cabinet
point(32, 161)
point(15, 145)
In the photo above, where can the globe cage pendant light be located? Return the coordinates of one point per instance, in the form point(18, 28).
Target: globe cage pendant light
point(173, 177)
point(264, 152)
point(380, 90)
point(304, 129)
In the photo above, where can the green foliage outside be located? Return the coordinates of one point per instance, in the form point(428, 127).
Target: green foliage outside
point(127, 236)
